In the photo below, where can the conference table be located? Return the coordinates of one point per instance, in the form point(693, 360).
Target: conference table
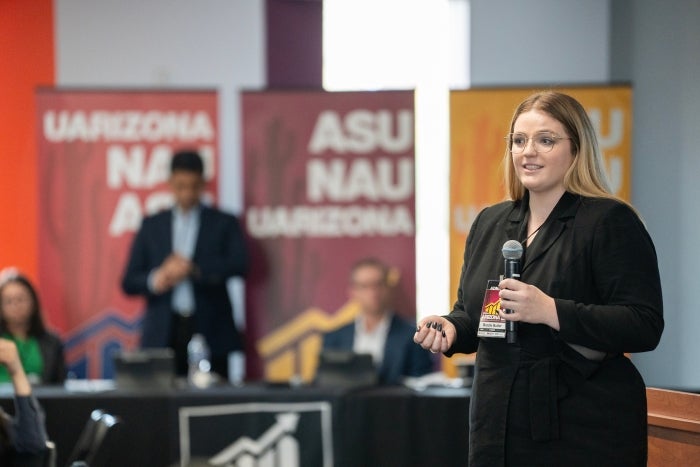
point(258, 424)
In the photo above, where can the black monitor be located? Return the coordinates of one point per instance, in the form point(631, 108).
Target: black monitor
point(144, 369)
point(347, 369)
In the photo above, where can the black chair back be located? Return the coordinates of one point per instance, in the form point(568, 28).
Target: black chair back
point(97, 440)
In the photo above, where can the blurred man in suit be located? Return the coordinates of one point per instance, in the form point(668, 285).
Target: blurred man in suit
point(377, 330)
point(181, 260)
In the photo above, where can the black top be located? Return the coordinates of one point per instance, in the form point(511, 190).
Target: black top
point(539, 402)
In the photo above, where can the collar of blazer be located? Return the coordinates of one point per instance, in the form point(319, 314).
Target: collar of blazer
point(550, 231)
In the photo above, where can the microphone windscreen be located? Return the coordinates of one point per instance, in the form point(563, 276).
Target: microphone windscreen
point(512, 249)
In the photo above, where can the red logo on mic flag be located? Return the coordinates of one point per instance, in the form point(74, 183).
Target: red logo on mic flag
point(491, 324)
point(492, 302)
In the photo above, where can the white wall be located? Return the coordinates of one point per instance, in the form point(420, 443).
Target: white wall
point(169, 43)
point(556, 42)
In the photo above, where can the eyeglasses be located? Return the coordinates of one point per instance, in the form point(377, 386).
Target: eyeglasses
point(369, 285)
point(542, 142)
point(19, 300)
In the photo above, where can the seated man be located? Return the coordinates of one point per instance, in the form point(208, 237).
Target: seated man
point(25, 433)
point(377, 330)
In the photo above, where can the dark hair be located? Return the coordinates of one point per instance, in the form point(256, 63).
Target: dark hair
point(187, 160)
point(36, 324)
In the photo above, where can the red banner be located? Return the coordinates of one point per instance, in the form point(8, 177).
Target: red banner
point(103, 161)
point(329, 179)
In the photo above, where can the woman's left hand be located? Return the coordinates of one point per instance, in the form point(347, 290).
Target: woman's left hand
point(528, 303)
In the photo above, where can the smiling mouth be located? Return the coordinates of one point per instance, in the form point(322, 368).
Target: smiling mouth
point(532, 167)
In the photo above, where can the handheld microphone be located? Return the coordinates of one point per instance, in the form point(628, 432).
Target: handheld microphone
point(512, 252)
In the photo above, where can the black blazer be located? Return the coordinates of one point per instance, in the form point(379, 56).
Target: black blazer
point(219, 254)
point(596, 259)
point(401, 356)
point(51, 348)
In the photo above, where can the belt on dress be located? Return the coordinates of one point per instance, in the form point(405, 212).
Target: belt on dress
point(550, 380)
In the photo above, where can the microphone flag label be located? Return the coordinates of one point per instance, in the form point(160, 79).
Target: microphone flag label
point(491, 324)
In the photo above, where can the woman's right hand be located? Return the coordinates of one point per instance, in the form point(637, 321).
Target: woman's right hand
point(435, 333)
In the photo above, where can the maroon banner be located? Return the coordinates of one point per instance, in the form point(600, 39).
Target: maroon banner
point(329, 179)
point(103, 161)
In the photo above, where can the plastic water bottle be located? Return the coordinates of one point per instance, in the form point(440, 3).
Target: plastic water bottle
point(198, 361)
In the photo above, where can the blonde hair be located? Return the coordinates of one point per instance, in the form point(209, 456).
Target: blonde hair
point(586, 175)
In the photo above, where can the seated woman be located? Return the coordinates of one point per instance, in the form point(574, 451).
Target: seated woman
point(40, 351)
point(25, 434)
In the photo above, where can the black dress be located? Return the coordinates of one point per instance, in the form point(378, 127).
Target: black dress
point(540, 402)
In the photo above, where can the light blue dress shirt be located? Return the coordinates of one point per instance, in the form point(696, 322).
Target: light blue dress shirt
point(185, 232)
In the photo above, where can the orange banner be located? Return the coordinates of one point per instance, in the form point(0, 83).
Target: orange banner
point(479, 120)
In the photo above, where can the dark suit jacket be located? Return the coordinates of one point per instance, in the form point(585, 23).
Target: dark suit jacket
point(219, 254)
point(596, 259)
point(402, 357)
